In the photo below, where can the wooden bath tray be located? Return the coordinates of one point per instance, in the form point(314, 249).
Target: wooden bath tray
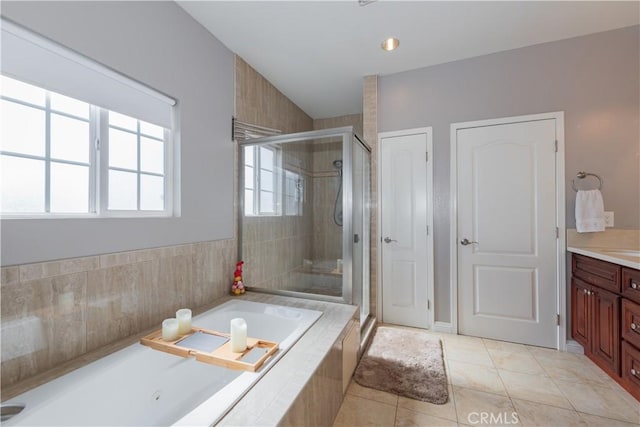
point(257, 352)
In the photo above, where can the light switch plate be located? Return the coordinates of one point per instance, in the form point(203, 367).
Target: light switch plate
point(608, 219)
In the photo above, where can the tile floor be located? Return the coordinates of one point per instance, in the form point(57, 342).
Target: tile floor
point(519, 385)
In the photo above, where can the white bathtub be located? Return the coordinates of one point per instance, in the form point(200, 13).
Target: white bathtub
point(139, 386)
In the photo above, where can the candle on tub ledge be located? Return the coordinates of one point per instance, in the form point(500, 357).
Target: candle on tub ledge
point(170, 329)
point(238, 335)
point(184, 321)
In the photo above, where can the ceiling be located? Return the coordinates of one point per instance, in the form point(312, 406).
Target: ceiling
point(316, 52)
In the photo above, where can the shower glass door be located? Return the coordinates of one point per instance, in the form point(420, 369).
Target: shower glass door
point(361, 227)
point(304, 215)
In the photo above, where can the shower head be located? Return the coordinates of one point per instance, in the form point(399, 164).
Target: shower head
point(337, 164)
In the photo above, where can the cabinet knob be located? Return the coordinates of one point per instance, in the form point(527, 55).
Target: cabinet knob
point(633, 326)
point(634, 285)
point(634, 372)
point(584, 291)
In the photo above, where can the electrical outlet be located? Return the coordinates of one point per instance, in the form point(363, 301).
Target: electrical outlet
point(608, 219)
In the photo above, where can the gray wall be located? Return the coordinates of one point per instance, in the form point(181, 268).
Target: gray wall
point(160, 45)
point(594, 79)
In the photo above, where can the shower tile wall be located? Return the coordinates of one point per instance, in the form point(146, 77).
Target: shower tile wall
point(327, 235)
point(56, 311)
point(355, 120)
point(327, 243)
point(273, 248)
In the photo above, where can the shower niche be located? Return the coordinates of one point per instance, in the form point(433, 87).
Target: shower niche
point(304, 215)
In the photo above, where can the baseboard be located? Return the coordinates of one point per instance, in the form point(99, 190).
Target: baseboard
point(574, 347)
point(444, 327)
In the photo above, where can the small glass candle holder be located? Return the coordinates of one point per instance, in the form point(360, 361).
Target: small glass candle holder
point(170, 329)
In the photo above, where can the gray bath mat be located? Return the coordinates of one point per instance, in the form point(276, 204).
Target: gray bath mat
point(404, 362)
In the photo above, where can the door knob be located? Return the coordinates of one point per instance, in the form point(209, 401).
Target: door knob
point(388, 240)
point(466, 242)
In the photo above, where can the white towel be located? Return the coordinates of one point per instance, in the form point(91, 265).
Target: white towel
point(589, 211)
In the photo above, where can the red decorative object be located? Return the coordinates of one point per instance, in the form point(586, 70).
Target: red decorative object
point(238, 287)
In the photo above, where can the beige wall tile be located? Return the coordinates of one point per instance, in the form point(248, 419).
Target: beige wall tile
point(354, 120)
point(10, 275)
point(113, 308)
point(69, 314)
point(260, 103)
point(26, 311)
point(43, 324)
point(55, 268)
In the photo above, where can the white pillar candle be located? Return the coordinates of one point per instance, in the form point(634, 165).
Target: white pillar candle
point(169, 329)
point(238, 335)
point(184, 320)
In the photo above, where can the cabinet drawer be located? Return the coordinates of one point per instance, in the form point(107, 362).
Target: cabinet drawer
point(631, 322)
point(631, 369)
point(595, 272)
point(631, 284)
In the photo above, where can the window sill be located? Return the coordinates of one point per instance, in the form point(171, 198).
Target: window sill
point(119, 214)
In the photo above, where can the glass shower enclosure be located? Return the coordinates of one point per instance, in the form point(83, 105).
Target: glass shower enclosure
point(304, 215)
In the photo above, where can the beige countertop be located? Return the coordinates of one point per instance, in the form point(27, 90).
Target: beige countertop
point(609, 245)
point(608, 254)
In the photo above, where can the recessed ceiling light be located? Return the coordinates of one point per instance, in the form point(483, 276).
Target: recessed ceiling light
point(390, 44)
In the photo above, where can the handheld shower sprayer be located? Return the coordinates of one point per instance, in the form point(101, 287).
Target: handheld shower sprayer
point(337, 207)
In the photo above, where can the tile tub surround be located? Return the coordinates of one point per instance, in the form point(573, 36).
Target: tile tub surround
point(54, 312)
point(290, 389)
point(305, 386)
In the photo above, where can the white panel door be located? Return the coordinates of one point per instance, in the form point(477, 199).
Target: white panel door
point(405, 214)
point(506, 232)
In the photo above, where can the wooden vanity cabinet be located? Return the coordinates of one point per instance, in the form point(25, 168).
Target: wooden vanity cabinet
point(631, 284)
point(581, 312)
point(595, 324)
point(605, 335)
point(605, 317)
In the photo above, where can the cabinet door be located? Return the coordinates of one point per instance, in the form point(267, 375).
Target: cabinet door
point(631, 322)
point(605, 344)
point(580, 322)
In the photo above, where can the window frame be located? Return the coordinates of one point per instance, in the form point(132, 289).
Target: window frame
point(98, 165)
point(103, 153)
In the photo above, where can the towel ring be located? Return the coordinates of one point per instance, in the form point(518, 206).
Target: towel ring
point(583, 175)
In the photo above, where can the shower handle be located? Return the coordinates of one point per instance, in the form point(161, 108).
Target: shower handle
point(388, 240)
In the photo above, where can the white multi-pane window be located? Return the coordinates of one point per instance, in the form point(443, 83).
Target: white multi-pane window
point(60, 155)
point(136, 164)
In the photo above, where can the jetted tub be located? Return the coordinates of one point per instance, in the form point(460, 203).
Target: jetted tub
point(140, 386)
